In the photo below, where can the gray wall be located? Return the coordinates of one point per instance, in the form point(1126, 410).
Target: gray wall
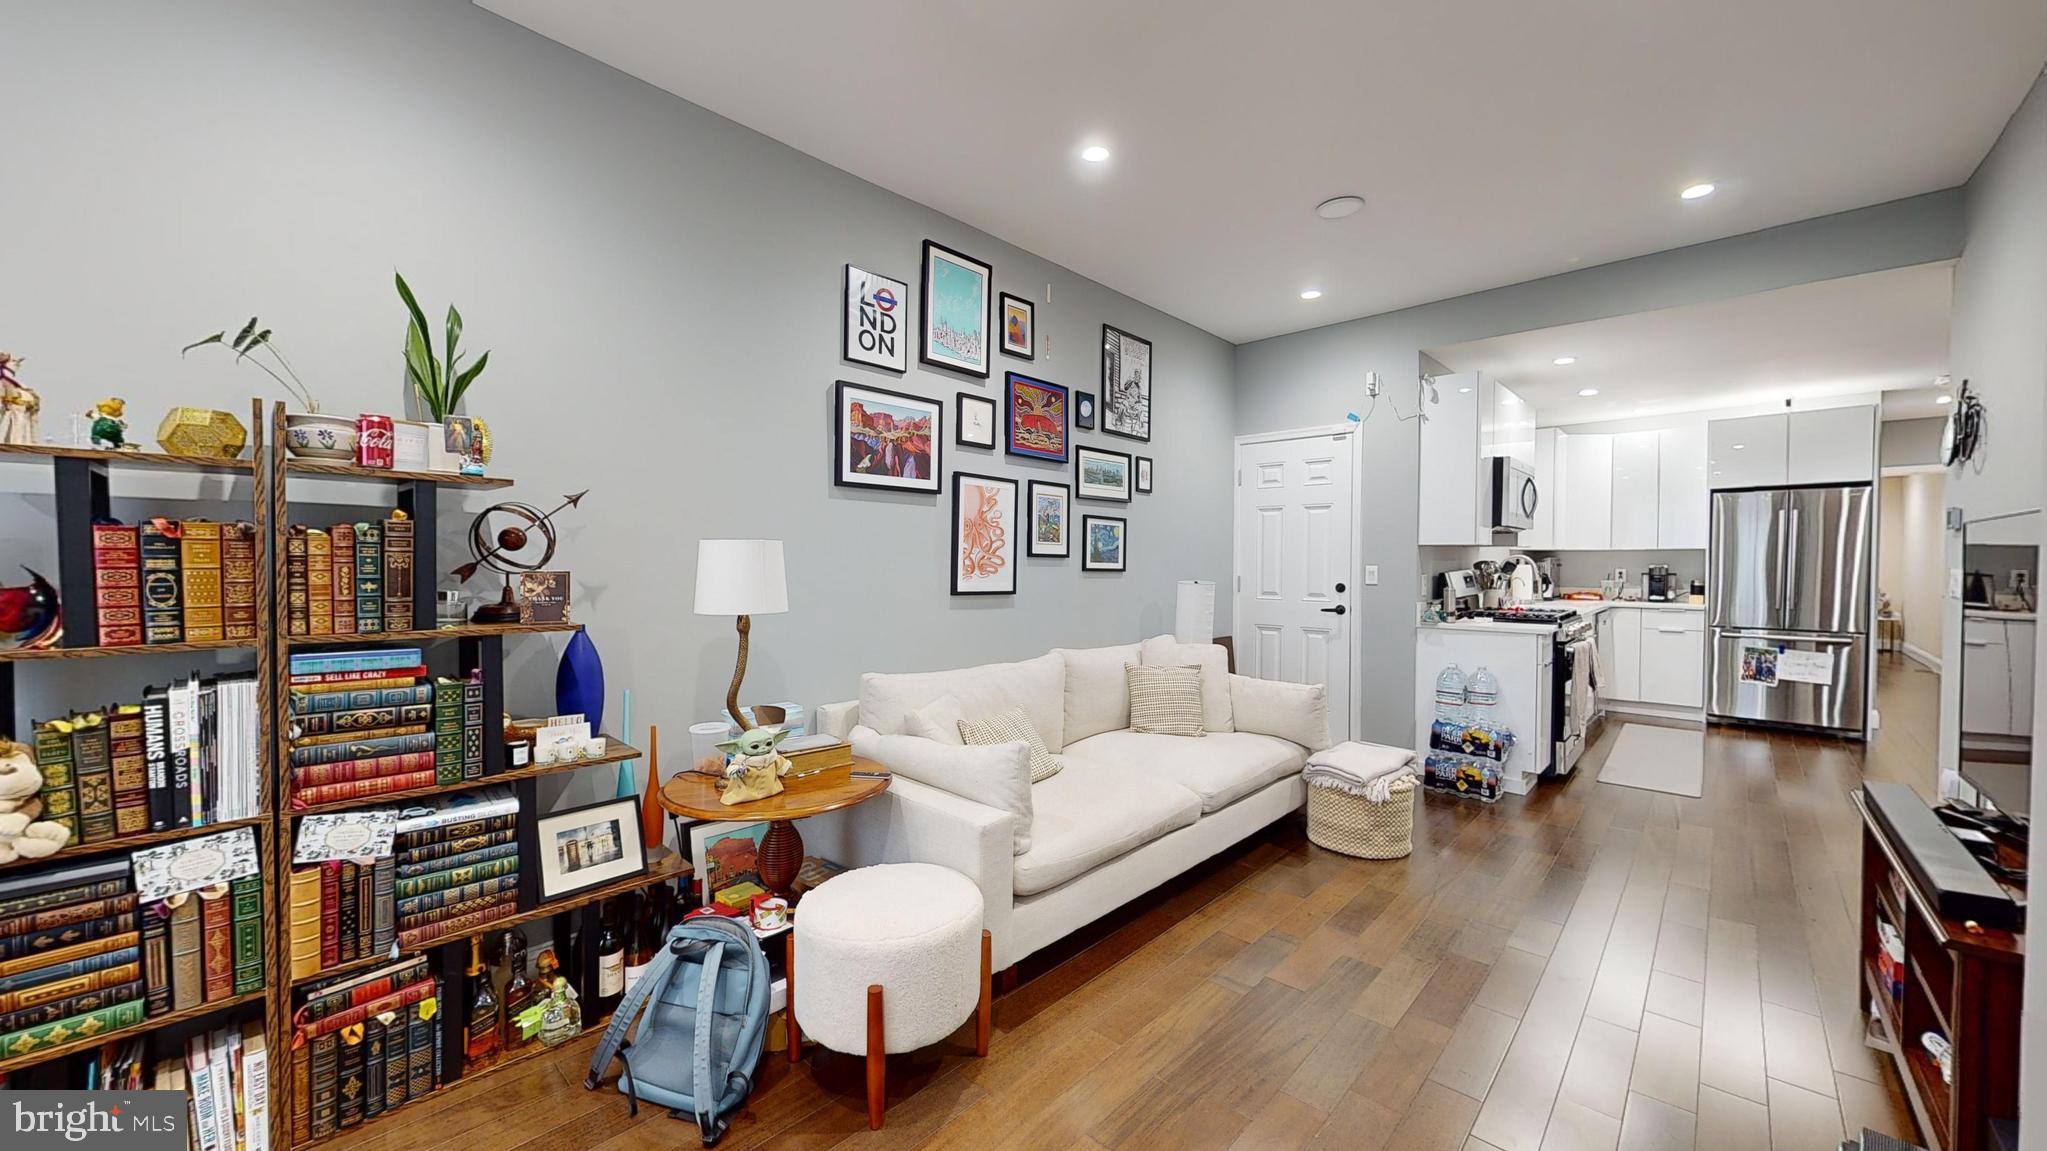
point(1906, 443)
point(659, 289)
point(1315, 377)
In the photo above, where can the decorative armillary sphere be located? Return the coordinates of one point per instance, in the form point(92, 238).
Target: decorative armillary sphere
point(501, 538)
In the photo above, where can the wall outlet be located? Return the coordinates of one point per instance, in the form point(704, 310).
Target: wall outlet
point(1371, 575)
point(1954, 583)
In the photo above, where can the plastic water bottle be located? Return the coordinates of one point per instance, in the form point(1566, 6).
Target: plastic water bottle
point(1481, 695)
point(1450, 694)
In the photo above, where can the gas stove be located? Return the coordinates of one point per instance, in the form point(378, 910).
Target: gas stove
point(1553, 616)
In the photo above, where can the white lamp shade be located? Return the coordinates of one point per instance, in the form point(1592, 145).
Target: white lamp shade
point(741, 577)
point(1194, 611)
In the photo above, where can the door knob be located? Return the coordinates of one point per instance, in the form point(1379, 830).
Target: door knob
point(1339, 609)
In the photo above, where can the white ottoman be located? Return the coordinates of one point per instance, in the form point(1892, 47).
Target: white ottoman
point(888, 959)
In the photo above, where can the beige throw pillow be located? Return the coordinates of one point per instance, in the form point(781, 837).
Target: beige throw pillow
point(1009, 727)
point(938, 721)
point(997, 776)
point(1214, 662)
point(1165, 700)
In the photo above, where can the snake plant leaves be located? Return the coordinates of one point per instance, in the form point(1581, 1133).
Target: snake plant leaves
point(462, 381)
point(215, 338)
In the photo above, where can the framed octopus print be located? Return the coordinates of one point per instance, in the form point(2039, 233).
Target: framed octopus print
point(984, 556)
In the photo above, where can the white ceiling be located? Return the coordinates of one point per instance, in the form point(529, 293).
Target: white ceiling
point(1496, 140)
point(1883, 331)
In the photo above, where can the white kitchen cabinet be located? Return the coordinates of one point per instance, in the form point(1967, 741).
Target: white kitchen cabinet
point(1831, 446)
point(1602, 639)
point(1512, 428)
point(1986, 680)
point(1542, 533)
point(1472, 420)
point(1681, 500)
point(1672, 664)
point(2018, 646)
point(1585, 513)
point(1634, 503)
point(1624, 672)
point(1523, 661)
point(1747, 452)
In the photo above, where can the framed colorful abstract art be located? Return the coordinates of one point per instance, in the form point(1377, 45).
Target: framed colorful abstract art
point(1037, 418)
point(1100, 474)
point(1051, 510)
point(983, 535)
point(1105, 542)
point(956, 300)
point(1019, 327)
point(885, 439)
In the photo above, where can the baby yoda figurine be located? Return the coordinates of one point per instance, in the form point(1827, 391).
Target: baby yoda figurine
point(756, 769)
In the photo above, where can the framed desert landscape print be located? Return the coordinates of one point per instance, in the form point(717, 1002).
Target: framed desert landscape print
point(1126, 384)
point(1100, 474)
point(956, 305)
point(885, 439)
point(1051, 519)
point(1037, 426)
point(877, 320)
point(589, 846)
point(973, 420)
point(983, 535)
point(1019, 327)
point(1105, 543)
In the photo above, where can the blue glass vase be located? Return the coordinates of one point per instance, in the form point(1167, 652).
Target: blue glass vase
point(579, 682)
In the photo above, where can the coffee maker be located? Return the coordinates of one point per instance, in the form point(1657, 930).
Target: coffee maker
point(1658, 585)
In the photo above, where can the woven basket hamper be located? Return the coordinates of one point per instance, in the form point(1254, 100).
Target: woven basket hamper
point(1356, 826)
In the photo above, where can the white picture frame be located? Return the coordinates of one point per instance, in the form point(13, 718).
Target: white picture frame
point(877, 320)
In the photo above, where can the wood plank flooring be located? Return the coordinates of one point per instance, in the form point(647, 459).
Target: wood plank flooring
point(1590, 968)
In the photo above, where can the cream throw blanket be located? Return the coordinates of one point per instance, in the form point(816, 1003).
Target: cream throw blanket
point(1362, 769)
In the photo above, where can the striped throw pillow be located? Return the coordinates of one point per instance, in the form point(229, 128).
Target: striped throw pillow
point(1165, 700)
point(1010, 727)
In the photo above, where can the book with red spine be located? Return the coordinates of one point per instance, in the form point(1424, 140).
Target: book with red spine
point(117, 582)
point(358, 770)
point(216, 922)
point(315, 679)
point(305, 797)
point(238, 579)
point(330, 913)
point(419, 937)
point(341, 541)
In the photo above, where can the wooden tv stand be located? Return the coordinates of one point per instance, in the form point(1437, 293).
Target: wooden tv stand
point(1967, 985)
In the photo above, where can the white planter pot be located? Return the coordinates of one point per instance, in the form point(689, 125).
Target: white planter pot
point(413, 443)
point(320, 437)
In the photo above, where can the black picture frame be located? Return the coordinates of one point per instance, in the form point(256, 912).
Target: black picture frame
point(1141, 480)
point(1088, 563)
point(547, 848)
point(1010, 445)
point(959, 420)
point(1119, 407)
point(987, 270)
point(1081, 488)
point(850, 306)
point(843, 473)
point(1029, 515)
point(962, 482)
point(1083, 411)
point(1028, 349)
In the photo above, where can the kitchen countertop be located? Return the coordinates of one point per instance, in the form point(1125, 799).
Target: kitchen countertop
point(1594, 607)
point(1489, 626)
point(1993, 613)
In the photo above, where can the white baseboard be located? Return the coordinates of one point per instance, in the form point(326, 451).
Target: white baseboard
point(1926, 658)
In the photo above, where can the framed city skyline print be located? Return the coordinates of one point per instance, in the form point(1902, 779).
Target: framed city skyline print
point(589, 846)
point(1037, 426)
point(1019, 327)
point(1100, 474)
point(983, 535)
point(885, 439)
point(876, 323)
point(1144, 475)
point(1126, 384)
point(1051, 511)
point(973, 421)
point(956, 306)
point(1084, 411)
point(1104, 543)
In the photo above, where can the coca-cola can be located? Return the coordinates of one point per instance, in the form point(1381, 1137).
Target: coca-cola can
point(373, 443)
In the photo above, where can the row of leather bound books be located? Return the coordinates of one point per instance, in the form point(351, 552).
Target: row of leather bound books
point(369, 723)
point(363, 1045)
point(349, 579)
point(174, 581)
point(223, 1072)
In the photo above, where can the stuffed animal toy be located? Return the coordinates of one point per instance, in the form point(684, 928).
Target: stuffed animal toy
point(22, 835)
point(756, 769)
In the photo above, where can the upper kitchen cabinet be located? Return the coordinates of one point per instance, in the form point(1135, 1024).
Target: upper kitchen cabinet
point(1748, 452)
point(1584, 509)
point(1634, 491)
point(1543, 534)
point(1472, 420)
point(1681, 499)
point(1819, 446)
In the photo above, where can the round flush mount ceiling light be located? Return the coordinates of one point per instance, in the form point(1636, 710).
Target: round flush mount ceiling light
point(1337, 207)
point(1738, 447)
point(1564, 361)
point(1311, 293)
point(1588, 391)
point(1942, 381)
point(1696, 192)
point(1095, 154)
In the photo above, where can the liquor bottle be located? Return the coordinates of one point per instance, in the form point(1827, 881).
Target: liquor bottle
point(519, 990)
point(640, 916)
point(486, 1022)
point(610, 967)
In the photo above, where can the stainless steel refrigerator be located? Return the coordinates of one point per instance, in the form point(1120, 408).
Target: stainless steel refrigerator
point(1790, 579)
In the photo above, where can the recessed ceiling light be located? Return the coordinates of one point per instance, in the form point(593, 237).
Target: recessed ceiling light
point(1311, 294)
point(1942, 381)
point(1337, 207)
point(1588, 391)
point(1738, 447)
point(1094, 153)
point(1696, 192)
point(1564, 361)
point(1943, 399)
point(1463, 391)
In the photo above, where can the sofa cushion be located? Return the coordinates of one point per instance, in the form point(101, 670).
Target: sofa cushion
point(1165, 700)
point(1096, 698)
point(938, 721)
point(998, 776)
point(1012, 725)
point(1036, 685)
point(1221, 769)
point(1214, 662)
point(1092, 813)
point(1298, 712)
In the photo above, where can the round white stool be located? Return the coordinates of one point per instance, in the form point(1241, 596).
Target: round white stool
point(887, 959)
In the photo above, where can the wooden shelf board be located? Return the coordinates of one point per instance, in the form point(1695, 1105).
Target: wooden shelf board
point(1932, 1094)
point(428, 635)
point(128, 649)
point(616, 753)
point(163, 460)
point(338, 470)
point(1934, 1000)
point(135, 842)
point(91, 1042)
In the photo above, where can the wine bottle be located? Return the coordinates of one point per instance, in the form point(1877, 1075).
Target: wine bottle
point(486, 1024)
point(519, 990)
point(610, 966)
point(640, 916)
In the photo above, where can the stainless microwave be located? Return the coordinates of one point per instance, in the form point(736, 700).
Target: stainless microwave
point(1514, 494)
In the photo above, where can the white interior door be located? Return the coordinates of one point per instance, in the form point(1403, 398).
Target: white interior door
point(1295, 569)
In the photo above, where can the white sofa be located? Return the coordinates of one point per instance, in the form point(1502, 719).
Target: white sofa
point(1127, 812)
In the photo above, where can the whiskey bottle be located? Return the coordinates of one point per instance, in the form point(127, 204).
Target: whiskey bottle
point(610, 967)
point(519, 991)
point(486, 1023)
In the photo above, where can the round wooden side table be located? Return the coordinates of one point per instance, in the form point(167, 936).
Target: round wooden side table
point(694, 795)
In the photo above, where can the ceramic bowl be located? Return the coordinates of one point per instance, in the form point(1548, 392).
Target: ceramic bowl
point(320, 437)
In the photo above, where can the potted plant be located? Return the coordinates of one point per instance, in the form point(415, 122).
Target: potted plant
point(309, 433)
point(438, 383)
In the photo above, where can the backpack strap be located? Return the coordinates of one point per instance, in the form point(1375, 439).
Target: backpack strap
point(622, 1018)
point(706, 1095)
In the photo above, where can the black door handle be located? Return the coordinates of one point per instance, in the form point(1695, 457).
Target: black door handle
point(1339, 609)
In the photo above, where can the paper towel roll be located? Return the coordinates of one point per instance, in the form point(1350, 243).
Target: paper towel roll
point(1194, 612)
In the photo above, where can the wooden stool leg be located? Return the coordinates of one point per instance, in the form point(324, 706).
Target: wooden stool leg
point(789, 996)
point(984, 1016)
point(877, 1059)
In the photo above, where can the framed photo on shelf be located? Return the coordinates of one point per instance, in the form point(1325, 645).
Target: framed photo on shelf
point(1105, 543)
point(1051, 516)
point(983, 535)
point(877, 311)
point(726, 857)
point(955, 331)
point(1084, 411)
point(1144, 475)
point(1037, 427)
point(1100, 474)
point(1019, 327)
point(974, 421)
point(1126, 384)
point(885, 439)
point(590, 846)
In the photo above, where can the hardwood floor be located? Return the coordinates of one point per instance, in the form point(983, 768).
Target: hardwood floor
point(1589, 968)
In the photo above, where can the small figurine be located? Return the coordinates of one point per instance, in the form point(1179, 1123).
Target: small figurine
point(110, 425)
point(22, 834)
point(18, 405)
point(28, 615)
point(756, 769)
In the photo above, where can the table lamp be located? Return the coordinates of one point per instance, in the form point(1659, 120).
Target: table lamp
point(741, 578)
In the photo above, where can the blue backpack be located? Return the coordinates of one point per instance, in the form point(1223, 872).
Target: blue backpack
point(706, 996)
